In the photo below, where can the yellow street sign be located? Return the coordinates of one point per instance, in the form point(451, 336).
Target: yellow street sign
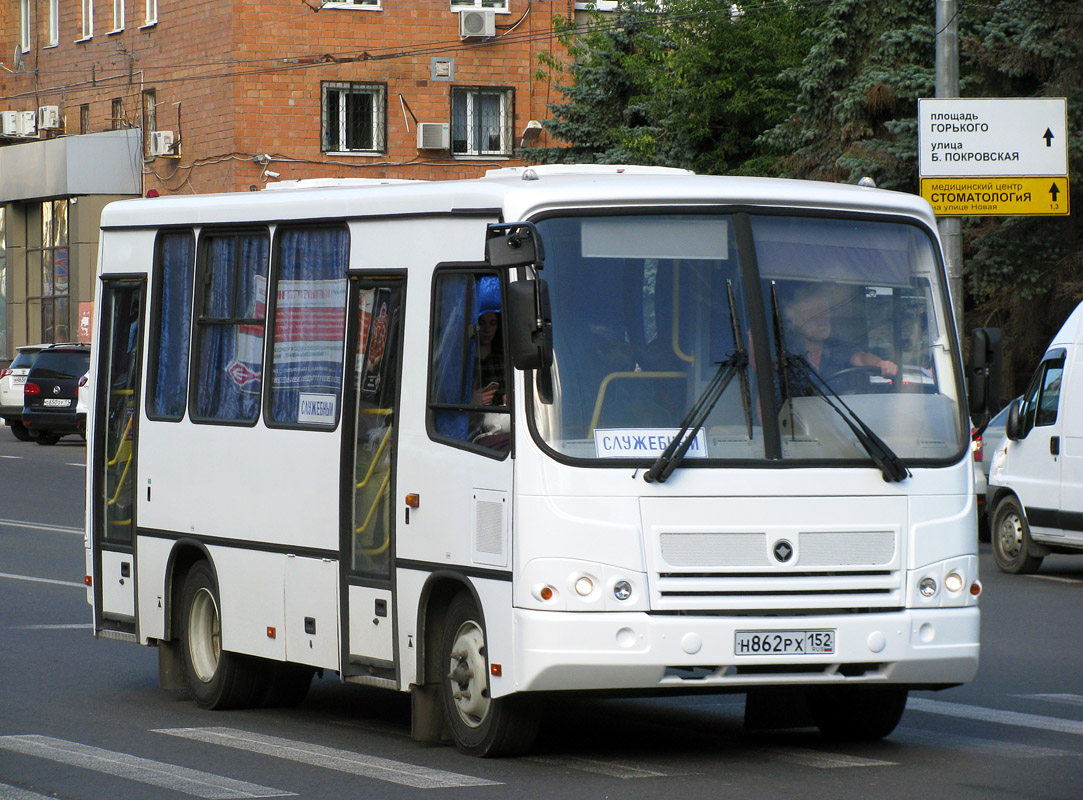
point(997, 197)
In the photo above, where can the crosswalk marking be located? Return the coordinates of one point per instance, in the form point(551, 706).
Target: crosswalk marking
point(821, 760)
point(38, 526)
point(330, 758)
point(1064, 699)
point(991, 747)
point(156, 773)
point(32, 579)
point(612, 769)
point(982, 714)
point(8, 792)
point(1055, 578)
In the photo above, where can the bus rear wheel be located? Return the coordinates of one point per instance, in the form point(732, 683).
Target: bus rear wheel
point(480, 724)
point(856, 713)
point(217, 679)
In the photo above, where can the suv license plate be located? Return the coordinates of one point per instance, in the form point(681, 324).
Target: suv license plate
point(784, 643)
point(57, 402)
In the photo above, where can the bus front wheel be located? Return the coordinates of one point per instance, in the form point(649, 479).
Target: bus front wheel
point(480, 725)
point(217, 679)
point(856, 713)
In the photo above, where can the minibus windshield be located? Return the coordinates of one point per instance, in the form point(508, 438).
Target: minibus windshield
point(643, 322)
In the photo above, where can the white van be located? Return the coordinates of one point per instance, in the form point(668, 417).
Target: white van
point(1034, 501)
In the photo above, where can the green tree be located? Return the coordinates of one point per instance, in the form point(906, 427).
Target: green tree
point(1025, 274)
point(687, 83)
point(857, 93)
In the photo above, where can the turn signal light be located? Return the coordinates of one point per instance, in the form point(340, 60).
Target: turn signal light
point(89, 581)
point(975, 588)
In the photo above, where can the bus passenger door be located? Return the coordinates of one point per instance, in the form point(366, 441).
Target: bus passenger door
point(116, 411)
point(368, 545)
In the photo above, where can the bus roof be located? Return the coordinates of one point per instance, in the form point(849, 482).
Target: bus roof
point(511, 193)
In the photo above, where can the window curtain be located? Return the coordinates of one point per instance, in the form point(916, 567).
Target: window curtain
point(231, 336)
point(176, 262)
point(309, 326)
point(453, 353)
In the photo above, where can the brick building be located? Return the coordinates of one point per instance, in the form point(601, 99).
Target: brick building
point(106, 99)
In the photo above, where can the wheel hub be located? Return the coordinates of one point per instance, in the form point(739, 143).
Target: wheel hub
point(469, 686)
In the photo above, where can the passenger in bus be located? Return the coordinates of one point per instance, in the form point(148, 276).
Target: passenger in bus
point(489, 376)
point(808, 319)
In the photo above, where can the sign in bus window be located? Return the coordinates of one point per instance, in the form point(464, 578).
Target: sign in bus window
point(309, 326)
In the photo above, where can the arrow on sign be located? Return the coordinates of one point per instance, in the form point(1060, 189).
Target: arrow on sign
point(1053, 190)
point(1048, 136)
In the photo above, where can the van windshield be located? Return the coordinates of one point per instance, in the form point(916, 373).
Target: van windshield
point(643, 321)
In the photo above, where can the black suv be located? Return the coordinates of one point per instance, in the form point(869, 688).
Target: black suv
point(51, 392)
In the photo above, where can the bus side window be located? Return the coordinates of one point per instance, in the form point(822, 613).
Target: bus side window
point(167, 389)
point(468, 388)
point(228, 372)
point(309, 326)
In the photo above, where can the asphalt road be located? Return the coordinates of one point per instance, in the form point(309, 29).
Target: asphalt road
point(84, 719)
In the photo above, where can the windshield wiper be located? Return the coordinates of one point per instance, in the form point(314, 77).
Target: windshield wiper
point(736, 364)
point(890, 465)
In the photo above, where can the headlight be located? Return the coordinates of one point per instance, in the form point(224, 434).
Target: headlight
point(927, 587)
point(622, 590)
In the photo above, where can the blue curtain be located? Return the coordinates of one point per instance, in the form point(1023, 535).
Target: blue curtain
point(453, 352)
point(309, 325)
point(231, 336)
point(176, 264)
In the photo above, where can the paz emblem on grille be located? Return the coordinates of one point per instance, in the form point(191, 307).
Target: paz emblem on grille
point(783, 551)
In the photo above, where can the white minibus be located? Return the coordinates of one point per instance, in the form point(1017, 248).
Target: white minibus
point(594, 429)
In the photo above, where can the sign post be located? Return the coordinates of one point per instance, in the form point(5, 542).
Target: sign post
point(994, 156)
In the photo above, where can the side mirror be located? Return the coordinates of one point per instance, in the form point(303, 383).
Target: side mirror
point(513, 244)
point(1013, 426)
point(530, 325)
point(983, 370)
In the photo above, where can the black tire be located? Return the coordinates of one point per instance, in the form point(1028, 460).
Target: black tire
point(47, 438)
point(217, 679)
point(1012, 547)
point(856, 713)
point(480, 725)
point(19, 431)
point(285, 684)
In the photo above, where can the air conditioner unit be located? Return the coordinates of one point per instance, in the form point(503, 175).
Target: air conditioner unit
point(48, 118)
point(161, 143)
point(477, 23)
point(26, 123)
point(8, 122)
point(433, 136)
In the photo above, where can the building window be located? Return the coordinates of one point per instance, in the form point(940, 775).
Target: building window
point(116, 114)
point(481, 122)
point(354, 117)
point(88, 18)
point(352, 4)
point(118, 15)
point(497, 5)
point(24, 25)
point(228, 375)
point(84, 118)
point(53, 13)
point(149, 124)
point(55, 326)
point(150, 13)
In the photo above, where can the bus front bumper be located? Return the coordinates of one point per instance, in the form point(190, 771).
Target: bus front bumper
point(640, 651)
